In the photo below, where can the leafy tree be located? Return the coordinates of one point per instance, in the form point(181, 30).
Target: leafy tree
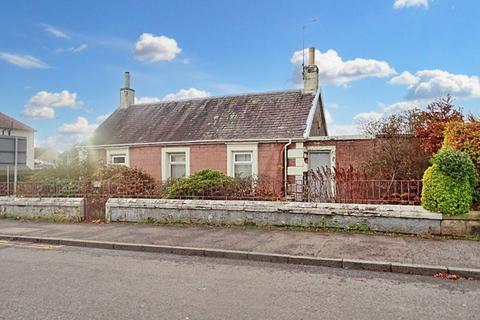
point(430, 124)
point(398, 154)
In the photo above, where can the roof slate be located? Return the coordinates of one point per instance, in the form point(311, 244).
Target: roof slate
point(252, 116)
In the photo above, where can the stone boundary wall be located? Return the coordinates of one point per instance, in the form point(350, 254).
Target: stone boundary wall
point(54, 209)
point(387, 218)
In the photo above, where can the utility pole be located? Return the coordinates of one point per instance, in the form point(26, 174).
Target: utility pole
point(8, 180)
point(15, 169)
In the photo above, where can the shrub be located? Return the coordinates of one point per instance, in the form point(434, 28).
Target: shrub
point(125, 180)
point(64, 174)
point(430, 124)
point(464, 136)
point(456, 164)
point(442, 193)
point(398, 154)
point(203, 183)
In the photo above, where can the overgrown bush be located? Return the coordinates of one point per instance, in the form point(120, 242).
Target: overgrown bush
point(65, 174)
point(124, 180)
point(430, 124)
point(449, 184)
point(203, 183)
point(464, 136)
point(398, 154)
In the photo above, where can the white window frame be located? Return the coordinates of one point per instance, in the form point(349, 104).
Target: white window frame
point(235, 162)
point(166, 174)
point(239, 148)
point(118, 152)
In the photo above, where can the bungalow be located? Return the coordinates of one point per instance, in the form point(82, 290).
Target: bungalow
point(257, 134)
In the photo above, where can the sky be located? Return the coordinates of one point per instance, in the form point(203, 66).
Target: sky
point(62, 62)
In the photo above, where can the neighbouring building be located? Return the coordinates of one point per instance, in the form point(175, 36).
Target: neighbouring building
point(9, 130)
point(45, 158)
point(279, 135)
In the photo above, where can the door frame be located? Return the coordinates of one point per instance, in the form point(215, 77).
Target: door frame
point(333, 158)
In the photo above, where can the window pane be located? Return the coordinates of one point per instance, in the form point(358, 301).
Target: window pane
point(243, 157)
point(117, 160)
point(177, 171)
point(177, 157)
point(242, 170)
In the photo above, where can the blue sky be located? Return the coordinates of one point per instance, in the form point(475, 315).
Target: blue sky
point(62, 61)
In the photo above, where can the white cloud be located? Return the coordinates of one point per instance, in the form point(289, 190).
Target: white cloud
point(343, 129)
point(191, 93)
point(55, 31)
point(335, 129)
point(102, 117)
point(80, 125)
point(146, 100)
point(70, 134)
point(399, 4)
point(431, 84)
point(365, 117)
point(43, 103)
point(151, 48)
point(405, 78)
point(23, 61)
point(402, 106)
point(81, 47)
point(334, 70)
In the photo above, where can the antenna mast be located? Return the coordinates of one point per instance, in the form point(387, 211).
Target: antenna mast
point(303, 44)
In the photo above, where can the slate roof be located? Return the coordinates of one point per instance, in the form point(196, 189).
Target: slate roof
point(270, 115)
point(7, 122)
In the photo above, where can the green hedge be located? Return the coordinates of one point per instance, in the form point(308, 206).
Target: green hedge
point(450, 184)
point(203, 183)
point(441, 193)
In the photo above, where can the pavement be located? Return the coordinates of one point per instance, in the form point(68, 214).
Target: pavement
point(41, 281)
point(371, 247)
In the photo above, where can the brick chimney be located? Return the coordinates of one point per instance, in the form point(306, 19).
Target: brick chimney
point(310, 74)
point(127, 95)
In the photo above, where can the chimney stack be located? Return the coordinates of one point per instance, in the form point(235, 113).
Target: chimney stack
point(310, 74)
point(127, 95)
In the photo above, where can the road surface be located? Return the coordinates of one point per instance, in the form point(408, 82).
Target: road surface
point(56, 282)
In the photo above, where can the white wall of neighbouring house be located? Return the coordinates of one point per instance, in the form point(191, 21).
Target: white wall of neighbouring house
point(30, 135)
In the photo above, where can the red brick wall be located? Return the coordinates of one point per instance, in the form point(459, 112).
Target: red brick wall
point(208, 156)
point(148, 159)
point(349, 152)
point(205, 156)
point(270, 160)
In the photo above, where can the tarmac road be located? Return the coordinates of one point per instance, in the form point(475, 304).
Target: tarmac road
point(54, 282)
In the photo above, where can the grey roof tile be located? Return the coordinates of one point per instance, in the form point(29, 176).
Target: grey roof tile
point(270, 115)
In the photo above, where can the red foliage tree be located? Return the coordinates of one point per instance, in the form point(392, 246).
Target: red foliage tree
point(430, 124)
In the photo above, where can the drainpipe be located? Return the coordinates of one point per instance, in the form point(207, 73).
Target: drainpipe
point(286, 165)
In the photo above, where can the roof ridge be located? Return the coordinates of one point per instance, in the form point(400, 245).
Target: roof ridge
point(219, 97)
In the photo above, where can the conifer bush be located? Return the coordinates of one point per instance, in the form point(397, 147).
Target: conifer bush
point(449, 184)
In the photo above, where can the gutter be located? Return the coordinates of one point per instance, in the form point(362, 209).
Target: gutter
point(285, 149)
point(124, 145)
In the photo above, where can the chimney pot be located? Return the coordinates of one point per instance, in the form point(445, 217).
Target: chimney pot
point(127, 94)
point(311, 56)
point(127, 80)
point(310, 74)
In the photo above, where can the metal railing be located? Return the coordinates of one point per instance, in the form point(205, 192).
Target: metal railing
point(314, 188)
